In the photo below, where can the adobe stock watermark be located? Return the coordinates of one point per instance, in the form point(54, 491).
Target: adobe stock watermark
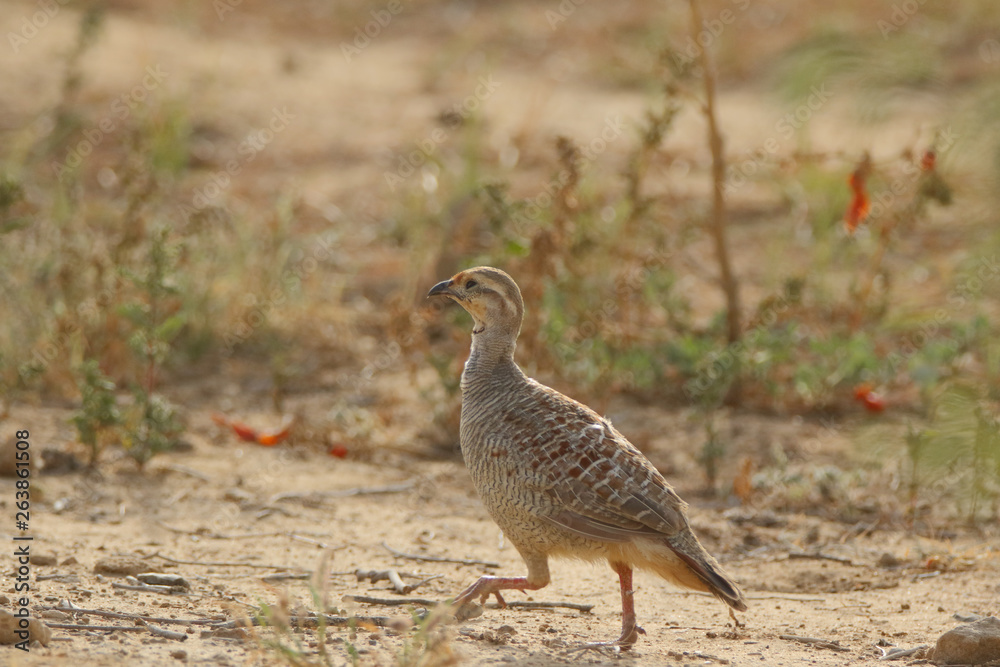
point(223, 7)
point(972, 285)
point(121, 108)
point(363, 35)
point(721, 363)
point(31, 25)
point(588, 153)
point(407, 164)
point(883, 200)
point(739, 171)
point(989, 51)
point(986, 271)
point(597, 320)
point(565, 9)
point(262, 306)
point(901, 14)
point(248, 149)
point(712, 29)
point(90, 310)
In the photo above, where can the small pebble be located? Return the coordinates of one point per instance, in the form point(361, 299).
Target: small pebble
point(888, 560)
point(37, 631)
point(54, 615)
point(160, 579)
point(969, 644)
point(120, 565)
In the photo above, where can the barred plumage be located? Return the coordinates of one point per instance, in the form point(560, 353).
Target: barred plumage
point(558, 478)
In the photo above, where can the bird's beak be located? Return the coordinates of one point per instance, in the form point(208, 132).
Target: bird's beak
point(444, 288)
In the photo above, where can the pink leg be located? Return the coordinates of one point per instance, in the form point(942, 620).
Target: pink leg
point(487, 586)
point(630, 631)
point(538, 577)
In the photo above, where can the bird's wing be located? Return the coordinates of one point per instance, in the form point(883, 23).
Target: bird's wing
point(603, 487)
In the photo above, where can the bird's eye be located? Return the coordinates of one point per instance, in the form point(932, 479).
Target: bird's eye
point(470, 284)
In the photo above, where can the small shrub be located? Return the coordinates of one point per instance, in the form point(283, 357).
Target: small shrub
point(958, 452)
point(98, 419)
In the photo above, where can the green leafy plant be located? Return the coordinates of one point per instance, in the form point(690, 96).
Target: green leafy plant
point(11, 195)
point(152, 424)
point(958, 452)
point(98, 419)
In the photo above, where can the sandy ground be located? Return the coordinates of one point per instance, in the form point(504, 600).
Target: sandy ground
point(235, 513)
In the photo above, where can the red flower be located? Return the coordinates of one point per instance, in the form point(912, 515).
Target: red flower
point(865, 394)
point(857, 211)
point(248, 434)
point(928, 161)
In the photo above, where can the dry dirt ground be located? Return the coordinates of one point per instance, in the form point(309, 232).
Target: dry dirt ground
point(227, 514)
point(234, 514)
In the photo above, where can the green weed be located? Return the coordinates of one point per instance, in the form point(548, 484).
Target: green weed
point(98, 419)
point(958, 451)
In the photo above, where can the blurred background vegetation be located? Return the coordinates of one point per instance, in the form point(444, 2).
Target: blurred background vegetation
point(239, 207)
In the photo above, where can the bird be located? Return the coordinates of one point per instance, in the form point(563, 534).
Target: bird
point(557, 478)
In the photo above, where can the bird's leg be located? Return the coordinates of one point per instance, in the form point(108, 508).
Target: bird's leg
point(484, 588)
point(630, 631)
point(538, 577)
point(487, 586)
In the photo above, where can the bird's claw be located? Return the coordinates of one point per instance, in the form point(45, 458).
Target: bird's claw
point(623, 643)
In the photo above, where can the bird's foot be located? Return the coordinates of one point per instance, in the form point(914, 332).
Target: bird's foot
point(630, 635)
point(466, 604)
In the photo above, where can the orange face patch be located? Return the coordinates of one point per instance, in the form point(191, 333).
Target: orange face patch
point(475, 308)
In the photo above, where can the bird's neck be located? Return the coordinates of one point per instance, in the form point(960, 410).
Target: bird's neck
point(492, 350)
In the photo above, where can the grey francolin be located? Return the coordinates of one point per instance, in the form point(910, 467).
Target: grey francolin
point(558, 478)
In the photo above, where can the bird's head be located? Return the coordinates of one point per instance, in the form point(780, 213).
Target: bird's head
point(489, 295)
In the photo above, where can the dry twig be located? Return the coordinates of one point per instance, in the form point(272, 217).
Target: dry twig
point(396, 579)
point(717, 227)
point(819, 556)
point(345, 493)
point(166, 634)
point(395, 602)
point(312, 621)
point(149, 588)
point(157, 554)
point(682, 655)
point(97, 628)
point(524, 604)
point(136, 618)
point(818, 643)
point(184, 470)
point(439, 559)
point(297, 536)
point(390, 602)
point(900, 653)
point(285, 576)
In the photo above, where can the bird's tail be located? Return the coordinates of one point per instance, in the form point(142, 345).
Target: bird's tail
point(708, 570)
